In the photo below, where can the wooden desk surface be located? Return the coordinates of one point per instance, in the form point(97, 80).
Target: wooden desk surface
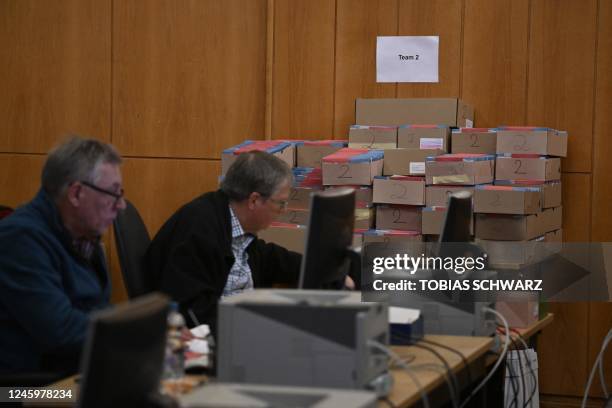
point(405, 392)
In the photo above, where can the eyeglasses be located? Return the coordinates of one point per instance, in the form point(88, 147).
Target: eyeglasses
point(118, 196)
point(282, 204)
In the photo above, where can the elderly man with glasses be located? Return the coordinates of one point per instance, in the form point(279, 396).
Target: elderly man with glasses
point(209, 248)
point(53, 271)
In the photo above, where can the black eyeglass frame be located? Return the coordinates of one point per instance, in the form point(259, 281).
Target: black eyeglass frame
point(116, 196)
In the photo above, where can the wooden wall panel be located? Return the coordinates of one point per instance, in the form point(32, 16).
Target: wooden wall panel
point(303, 71)
point(576, 201)
point(358, 24)
point(600, 321)
point(561, 73)
point(189, 76)
point(494, 71)
point(19, 177)
point(55, 72)
point(562, 350)
point(435, 17)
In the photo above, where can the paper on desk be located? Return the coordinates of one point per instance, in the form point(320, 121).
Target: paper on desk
point(201, 331)
point(198, 346)
point(403, 315)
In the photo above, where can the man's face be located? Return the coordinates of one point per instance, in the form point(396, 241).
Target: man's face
point(100, 202)
point(267, 210)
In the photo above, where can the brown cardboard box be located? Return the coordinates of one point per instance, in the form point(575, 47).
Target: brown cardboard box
point(310, 153)
point(507, 200)
point(398, 217)
point(551, 190)
point(554, 236)
point(433, 220)
point(299, 197)
point(552, 219)
point(509, 254)
point(521, 309)
point(391, 236)
point(424, 137)
point(474, 140)
point(407, 162)
point(527, 168)
point(404, 190)
point(363, 195)
point(437, 196)
point(283, 150)
point(532, 140)
point(504, 227)
point(352, 167)
point(293, 237)
point(372, 137)
point(446, 111)
point(294, 216)
point(364, 218)
point(459, 169)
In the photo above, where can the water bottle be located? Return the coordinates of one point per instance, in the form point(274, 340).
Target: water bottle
point(174, 366)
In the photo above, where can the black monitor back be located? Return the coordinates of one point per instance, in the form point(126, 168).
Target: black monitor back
point(326, 259)
point(122, 361)
point(456, 227)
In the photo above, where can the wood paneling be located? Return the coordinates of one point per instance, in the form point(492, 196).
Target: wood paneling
point(562, 350)
point(303, 73)
point(602, 149)
point(561, 73)
point(494, 71)
point(600, 321)
point(19, 177)
point(189, 76)
point(358, 24)
point(576, 207)
point(55, 72)
point(435, 17)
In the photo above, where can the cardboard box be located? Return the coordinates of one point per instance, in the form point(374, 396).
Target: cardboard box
point(474, 140)
point(297, 216)
point(504, 227)
point(372, 137)
point(554, 236)
point(352, 167)
point(310, 153)
point(446, 111)
point(520, 167)
point(425, 137)
point(391, 236)
point(459, 169)
point(437, 196)
point(531, 140)
point(363, 195)
point(507, 200)
point(364, 218)
point(521, 309)
point(407, 162)
point(283, 150)
point(398, 217)
point(293, 237)
point(433, 220)
point(299, 197)
point(405, 190)
point(551, 190)
point(551, 219)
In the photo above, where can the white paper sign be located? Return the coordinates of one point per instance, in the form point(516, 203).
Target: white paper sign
point(407, 59)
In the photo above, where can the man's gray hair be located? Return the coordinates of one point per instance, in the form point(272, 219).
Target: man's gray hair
point(259, 172)
point(76, 159)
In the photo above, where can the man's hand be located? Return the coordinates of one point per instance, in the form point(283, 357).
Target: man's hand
point(349, 283)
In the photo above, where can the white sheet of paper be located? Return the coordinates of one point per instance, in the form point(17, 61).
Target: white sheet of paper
point(407, 59)
point(403, 315)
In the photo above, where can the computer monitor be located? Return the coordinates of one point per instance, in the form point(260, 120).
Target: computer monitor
point(458, 220)
point(327, 255)
point(122, 361)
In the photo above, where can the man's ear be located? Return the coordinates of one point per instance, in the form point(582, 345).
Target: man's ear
point(73, 194)
point(252, 200)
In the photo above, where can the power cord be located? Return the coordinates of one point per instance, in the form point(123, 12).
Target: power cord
point(598, 362)
point(501, 358)
point(381, 347)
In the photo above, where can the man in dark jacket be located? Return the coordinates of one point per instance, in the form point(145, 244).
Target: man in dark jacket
point(208, 248)
point(52, 268)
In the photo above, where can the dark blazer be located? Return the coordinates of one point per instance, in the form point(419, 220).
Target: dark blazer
point(46, 291)
point(191, 256)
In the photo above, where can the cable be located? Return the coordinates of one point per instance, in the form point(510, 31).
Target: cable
point(499, 360)
point(457, 352)
point(440, 368)
point(451, 375)
point(514, 384)
point(381, 347)
point(597, 361)
point(526, 347)
point(601, 374)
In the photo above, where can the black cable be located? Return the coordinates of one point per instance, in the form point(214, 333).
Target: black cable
point(522, 373)
point(457, 352)
point(513, 382)
point(388, 402)
point(531, 371)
